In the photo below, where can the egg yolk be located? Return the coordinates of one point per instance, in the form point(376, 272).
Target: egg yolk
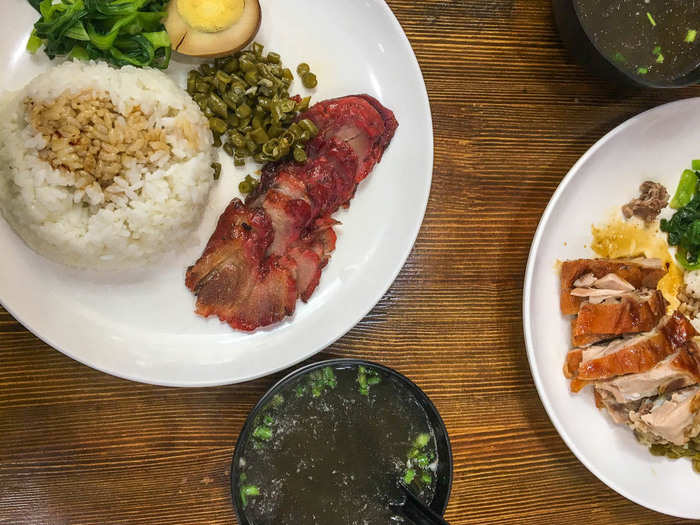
point(210, 16)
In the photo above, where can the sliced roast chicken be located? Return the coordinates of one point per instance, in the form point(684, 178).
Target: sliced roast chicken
point(643, 363)
point(630, 312)
point(583, 278)
point(679, 370)
point(669, 419)
point(628, 355)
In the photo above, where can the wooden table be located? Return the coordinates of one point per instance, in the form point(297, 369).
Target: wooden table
point(511, 113)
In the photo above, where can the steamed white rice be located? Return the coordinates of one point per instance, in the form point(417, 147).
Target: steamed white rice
point(149, 211)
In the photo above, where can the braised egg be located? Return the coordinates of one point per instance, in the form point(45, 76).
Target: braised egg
point(210, 28)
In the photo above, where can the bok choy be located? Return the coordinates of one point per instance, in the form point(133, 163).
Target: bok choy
point(122, 32)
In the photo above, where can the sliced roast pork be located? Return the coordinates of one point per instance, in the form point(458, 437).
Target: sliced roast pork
point(234, 280)
point(629, 355)
point(670, 420)
point(632, 313)
point(679, 370)
point(270, 251)
point(583, 273)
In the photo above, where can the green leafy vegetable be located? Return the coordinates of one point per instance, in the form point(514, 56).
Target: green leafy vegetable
point(683, 228)
point(685, 190)
point(121, 32)
point(690, 36)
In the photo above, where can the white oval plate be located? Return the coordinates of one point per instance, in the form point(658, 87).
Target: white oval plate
point(141, 325)
point(656, 145)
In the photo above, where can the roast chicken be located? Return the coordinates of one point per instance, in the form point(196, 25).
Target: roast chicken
point(643, 364)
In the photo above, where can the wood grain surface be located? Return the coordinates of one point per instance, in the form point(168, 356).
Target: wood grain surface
point(512, 112)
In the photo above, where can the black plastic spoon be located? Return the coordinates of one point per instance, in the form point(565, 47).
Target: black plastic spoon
point(415, 510)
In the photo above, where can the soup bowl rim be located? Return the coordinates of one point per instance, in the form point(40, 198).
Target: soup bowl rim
point(437, 424)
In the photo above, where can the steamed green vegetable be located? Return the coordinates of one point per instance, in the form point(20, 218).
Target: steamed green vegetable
point(686, 189)
point(683, 228)
point(122, 32)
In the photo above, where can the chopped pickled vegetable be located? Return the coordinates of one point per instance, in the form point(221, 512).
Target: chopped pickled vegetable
point(248, 184)
point(217, 169)
point(246, 98)
point(309, 80)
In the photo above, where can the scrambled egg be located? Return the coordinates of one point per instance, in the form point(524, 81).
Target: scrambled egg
point(621, 238)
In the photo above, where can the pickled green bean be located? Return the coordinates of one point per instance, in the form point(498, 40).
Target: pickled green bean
point(309, 80)
point(299, 154)
point(217, 125)
point(217, 105)
point(246, 100)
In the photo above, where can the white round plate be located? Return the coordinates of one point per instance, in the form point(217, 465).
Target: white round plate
point(656, 145)
point(141, 325)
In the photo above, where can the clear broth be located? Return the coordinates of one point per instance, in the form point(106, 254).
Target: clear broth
point(335, 459)
point(655, 51)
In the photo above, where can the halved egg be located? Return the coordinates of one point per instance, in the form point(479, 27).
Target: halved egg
point(210, 28)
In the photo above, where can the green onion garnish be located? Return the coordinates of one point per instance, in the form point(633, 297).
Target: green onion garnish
point(246, 491)
point(422, 440)
point(619, 57)
point(409, 476)
point(651, 19)
point(642, 70)
point(690, 35)
point(264, 433)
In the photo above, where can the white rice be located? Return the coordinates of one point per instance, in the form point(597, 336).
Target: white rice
point(159, 208)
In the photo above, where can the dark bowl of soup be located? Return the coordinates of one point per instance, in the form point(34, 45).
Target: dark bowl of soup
point(652, 43)
point(328, 444)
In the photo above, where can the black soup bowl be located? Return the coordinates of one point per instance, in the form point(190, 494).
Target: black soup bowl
point(649, 43)
point(329, 443)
